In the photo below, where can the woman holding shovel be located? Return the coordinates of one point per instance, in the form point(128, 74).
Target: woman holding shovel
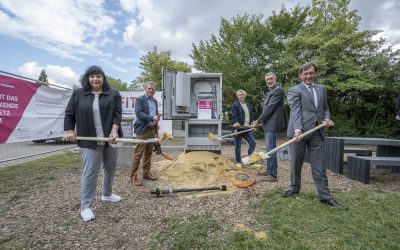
point(242, 116)
point(95, 111)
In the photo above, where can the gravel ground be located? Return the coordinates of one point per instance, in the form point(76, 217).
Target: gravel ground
point(48, 216)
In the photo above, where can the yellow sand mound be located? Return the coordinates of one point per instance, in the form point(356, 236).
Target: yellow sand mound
point(198, 169)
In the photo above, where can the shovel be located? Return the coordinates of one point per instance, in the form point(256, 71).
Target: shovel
point(160, 192)
point(263, 156)
point(213, 137)
point(105, 139)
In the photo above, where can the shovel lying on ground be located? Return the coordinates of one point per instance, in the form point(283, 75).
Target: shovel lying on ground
point(262, 156)
point(213, 137)
point(105, 139)
point(159, 192)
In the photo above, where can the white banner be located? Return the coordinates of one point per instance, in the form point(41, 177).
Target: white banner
point(29, 111)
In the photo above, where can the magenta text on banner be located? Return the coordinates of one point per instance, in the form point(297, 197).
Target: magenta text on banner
point(15, 95)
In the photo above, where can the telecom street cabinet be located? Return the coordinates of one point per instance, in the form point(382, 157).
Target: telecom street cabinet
point(197, 99)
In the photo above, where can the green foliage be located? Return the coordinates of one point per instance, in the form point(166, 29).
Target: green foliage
point(43, 76)
point(117, 84)
point(361, 73)
point(152, 64)
point(240, 54)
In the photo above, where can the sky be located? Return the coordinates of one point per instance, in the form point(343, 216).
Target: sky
point(64, 37)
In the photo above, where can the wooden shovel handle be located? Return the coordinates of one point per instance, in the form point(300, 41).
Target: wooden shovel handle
point(237, 133)
point(283, 145)
point(105, 139)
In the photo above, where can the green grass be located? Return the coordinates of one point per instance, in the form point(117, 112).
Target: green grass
point(372, 222)
point(6, 238)
point(22, 178)
point(120, 241)
point(70, 222)
point(189, 232)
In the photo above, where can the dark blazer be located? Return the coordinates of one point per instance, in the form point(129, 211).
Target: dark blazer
point(238, 114)
point(272, 116)
point(79, 113)
point(303, 113)
point(398, 106)
point(142, 112)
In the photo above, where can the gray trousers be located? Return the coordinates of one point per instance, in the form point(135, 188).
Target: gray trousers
point(316, 147)
point(92, 159)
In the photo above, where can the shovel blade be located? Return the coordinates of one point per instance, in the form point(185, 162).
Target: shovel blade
point(246, 160)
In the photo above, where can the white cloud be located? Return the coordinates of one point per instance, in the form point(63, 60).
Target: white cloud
point(58, 75)
point(382, 15)
point(124, 60)
point(114, 66)
point(176, 24)
point(65, 28)
point(109, 31)
point(128, 35)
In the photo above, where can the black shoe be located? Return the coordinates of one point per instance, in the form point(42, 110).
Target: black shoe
point(333, 203)
point(289, 193)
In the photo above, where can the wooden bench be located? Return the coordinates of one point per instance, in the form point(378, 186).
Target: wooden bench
point(359, 166)
point(334, 150)
point(358, 151)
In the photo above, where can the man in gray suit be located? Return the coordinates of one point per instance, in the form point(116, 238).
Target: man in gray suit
point(272, 120)
point(308, 108)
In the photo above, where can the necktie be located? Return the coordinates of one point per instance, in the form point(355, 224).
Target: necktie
point(312, 90)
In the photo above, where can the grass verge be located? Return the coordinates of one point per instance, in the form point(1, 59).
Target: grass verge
point(22, 177)
point(372, 222)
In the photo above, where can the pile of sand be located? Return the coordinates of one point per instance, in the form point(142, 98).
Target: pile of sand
point(198, 169)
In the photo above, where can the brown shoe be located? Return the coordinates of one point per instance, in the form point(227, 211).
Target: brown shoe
point(262, 174)
point(149, 177)
point(135, 182)
point(271, 179)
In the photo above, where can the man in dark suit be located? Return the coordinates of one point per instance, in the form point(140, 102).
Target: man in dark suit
point(272, 120)
point(308, 108)
point(146, 110)
point(242, 113)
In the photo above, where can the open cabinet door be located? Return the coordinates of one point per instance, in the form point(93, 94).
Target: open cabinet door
point(175, 95)
point(168, 82)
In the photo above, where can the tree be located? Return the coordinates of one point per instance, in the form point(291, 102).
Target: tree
point(241, 53)
point(360, 73)
point(117, 84)
point(152, 64)
point(43, 76)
